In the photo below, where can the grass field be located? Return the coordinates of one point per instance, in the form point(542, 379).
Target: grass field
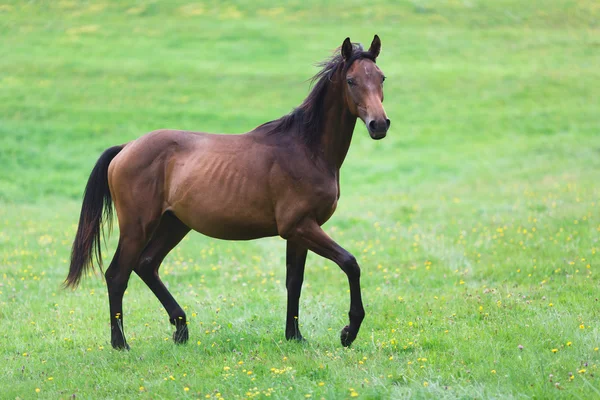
point(476, 221)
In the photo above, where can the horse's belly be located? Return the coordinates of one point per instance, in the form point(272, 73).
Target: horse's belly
point(226, 217)
point(229, 227)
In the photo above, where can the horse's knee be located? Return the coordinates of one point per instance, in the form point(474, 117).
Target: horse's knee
point(350, 267)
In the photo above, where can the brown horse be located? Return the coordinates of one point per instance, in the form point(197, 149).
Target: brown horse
point(282, 179)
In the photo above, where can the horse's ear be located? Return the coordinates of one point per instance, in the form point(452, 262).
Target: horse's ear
point(375, 46)
point(346, 49)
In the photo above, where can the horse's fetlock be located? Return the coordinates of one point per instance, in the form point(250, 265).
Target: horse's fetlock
point(357, 315)
point(178, 318)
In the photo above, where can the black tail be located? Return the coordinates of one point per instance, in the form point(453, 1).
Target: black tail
point(97, 206)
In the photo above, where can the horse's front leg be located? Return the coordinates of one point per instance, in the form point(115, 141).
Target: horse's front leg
point(309, 234)
point(295, 260)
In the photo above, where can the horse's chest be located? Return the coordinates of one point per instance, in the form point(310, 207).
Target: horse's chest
point(327, 213)
point(327, 203)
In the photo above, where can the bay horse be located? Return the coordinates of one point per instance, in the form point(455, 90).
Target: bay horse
point(282, 178)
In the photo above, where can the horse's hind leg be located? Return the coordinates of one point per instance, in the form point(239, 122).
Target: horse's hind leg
point(169, 233)
point(133, 237)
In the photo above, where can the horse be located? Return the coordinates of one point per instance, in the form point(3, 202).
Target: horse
point(282, 178)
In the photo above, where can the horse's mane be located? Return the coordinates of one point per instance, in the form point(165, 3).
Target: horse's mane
point(305, 120)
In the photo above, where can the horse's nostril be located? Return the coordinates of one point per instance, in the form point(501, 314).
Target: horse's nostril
point(372, 125)
point(388, 122)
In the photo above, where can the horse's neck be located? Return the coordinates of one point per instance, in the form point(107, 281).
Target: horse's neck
point(337, 128)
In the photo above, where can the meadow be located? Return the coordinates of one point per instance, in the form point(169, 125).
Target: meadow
point(476, 222)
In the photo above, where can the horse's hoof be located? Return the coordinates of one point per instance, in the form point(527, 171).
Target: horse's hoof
point(296, 338)
point(181, 335)
point(119, 345)
point(346, 336)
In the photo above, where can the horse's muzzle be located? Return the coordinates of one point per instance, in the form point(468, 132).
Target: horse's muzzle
point(378, 128)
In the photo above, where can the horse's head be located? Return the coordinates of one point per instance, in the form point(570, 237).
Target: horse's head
point(364, 87)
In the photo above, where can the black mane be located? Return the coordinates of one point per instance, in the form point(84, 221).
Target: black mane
point(305, 120)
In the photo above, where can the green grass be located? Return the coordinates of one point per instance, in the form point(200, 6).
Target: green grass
point(476, 221)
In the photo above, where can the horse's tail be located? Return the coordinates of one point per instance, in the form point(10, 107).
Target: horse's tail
point(96, 207)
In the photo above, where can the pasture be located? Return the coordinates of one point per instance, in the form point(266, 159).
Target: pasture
point(476, 221)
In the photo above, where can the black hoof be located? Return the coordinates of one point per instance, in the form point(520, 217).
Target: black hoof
point(297, 338)
point(294, 334)
point(119, 345)
point(347, 337)
point(181, 335)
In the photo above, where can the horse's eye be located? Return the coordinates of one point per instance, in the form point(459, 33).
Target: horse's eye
point(350, 82)
point(382, 79)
